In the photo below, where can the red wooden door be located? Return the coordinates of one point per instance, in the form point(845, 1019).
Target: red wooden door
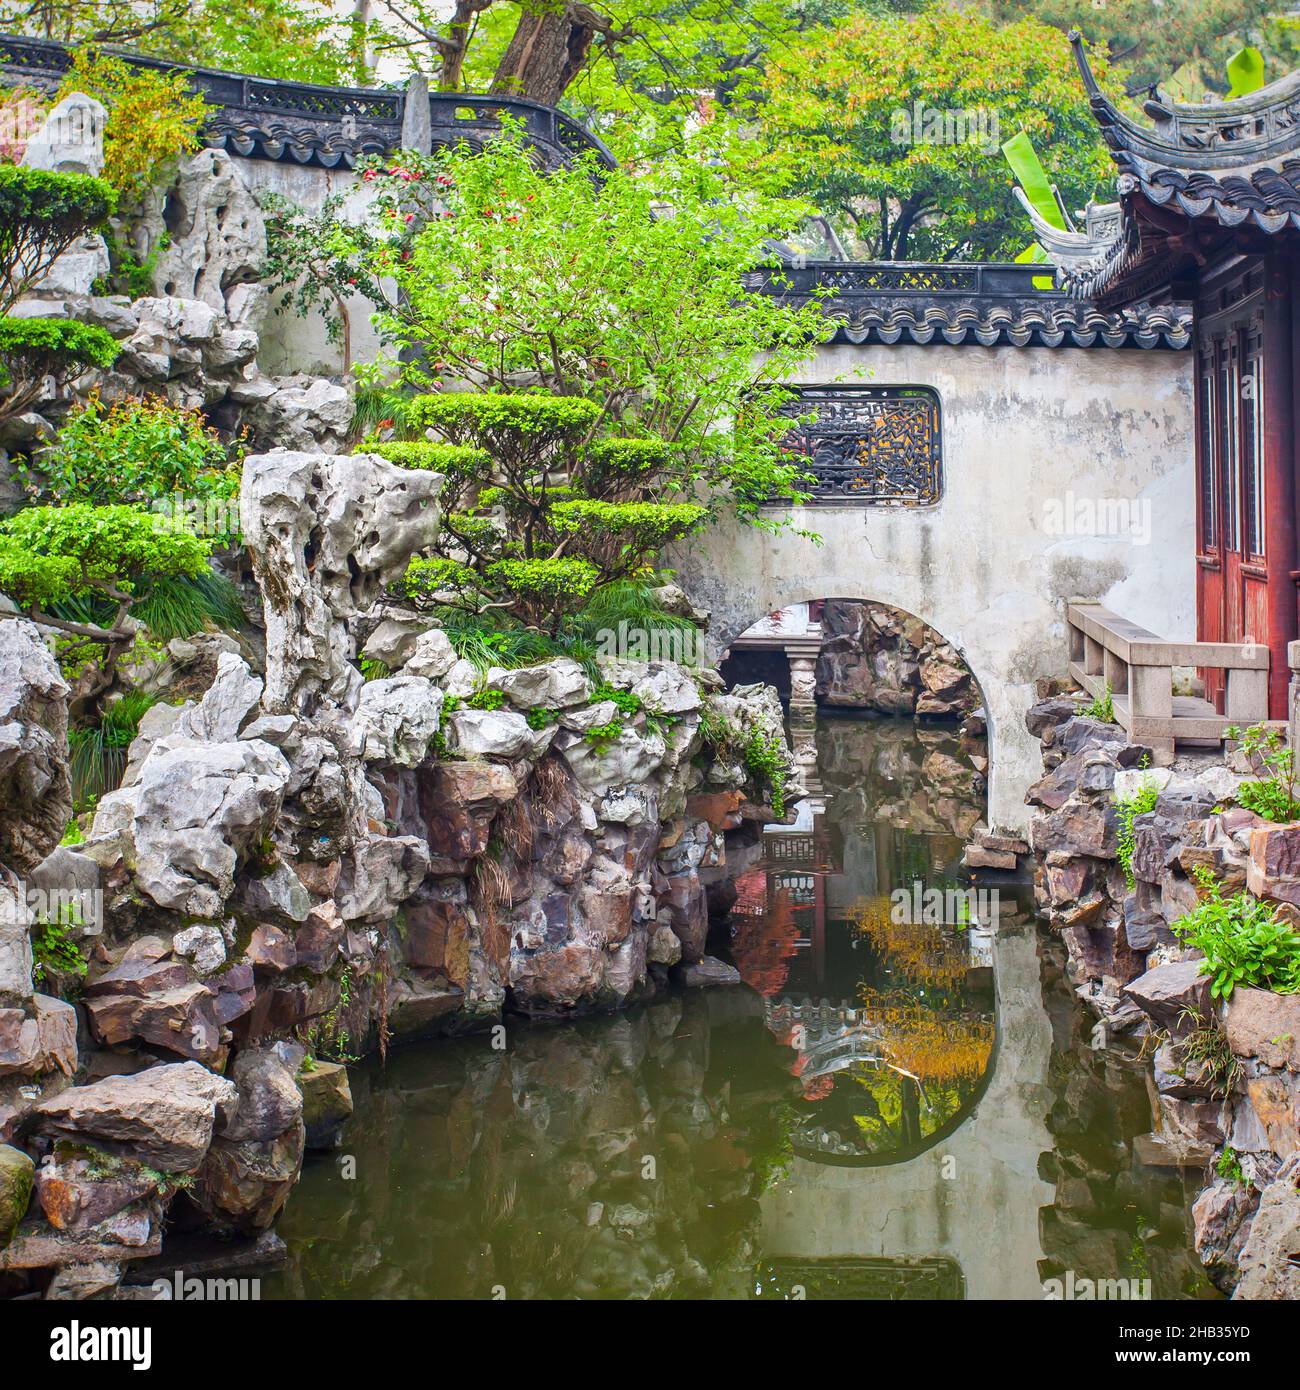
point(1234, 569)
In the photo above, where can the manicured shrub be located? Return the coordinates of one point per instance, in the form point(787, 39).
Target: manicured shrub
point(41, 214)
point(34, 349)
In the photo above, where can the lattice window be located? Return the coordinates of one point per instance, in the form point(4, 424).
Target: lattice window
point(870, 445)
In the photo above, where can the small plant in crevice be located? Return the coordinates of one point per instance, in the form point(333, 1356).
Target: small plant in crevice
point(1242, 939)
point(1273, 795)
point(763, 758)
point(1229, 1166)
point(1206, 1052)
point(1127, 809)
point(1102, 707)
point(600, 736)
point(56, 951)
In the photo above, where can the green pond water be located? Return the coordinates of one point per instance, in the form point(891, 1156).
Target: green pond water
point(890, 1108)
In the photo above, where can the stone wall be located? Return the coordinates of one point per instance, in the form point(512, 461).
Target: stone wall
point(1148, 989)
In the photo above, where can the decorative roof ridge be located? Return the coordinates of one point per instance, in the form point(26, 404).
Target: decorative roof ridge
point(1219, 137)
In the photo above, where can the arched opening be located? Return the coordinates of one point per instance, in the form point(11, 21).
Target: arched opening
point(856, 921)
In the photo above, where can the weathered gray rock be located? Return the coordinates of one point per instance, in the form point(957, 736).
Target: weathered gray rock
point(35, 791)
point(327, 535)
point(492, 733)
point(432, 655)
point(71, 138)
point(216, 235)
point(164, 1116)
point(306, 413)
point(1270, 1258)
point(1221, 1220)
point(197, 812)
point(396, 720)
point(555, 684)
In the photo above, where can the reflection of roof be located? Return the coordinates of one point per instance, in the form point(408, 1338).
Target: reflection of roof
point(1194, 177)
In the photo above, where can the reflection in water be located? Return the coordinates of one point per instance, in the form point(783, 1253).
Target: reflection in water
point(874, 957)
point(859, 1124)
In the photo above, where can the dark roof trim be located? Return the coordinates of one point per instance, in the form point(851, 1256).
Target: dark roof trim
point(299, 122)
point(971, 304)
point(1214, 137)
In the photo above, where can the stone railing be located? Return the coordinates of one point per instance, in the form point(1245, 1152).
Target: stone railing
point(265, 118)
point(1109, 652)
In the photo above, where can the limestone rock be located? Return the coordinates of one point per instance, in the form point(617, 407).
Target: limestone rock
point(327, 535)
point(216, 234)
point(555, 684)
point(396, 719)
point(432, 655)
point(1270, 1258)
point(197, 811)
point(35, 790)
point(164, 1116)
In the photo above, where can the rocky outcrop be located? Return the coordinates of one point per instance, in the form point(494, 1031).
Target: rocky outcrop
point(875, 657)
point(35, 791)
point(1225, 1076)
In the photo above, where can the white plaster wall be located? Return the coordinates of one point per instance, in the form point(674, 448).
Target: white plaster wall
point(1022, 428)
point(289, 343)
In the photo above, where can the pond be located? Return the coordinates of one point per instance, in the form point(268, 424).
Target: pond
point(901, 1103)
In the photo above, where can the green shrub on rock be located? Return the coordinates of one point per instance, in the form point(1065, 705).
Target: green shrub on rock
point(33, 350)
point(42, 213)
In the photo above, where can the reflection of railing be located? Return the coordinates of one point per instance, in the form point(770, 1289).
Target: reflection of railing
point(1107, 651)
point(265, 118)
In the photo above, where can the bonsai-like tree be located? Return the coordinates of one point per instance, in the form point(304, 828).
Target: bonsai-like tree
point(35, 350)
point(540, 512)
point(86, 560)
point(42, 213)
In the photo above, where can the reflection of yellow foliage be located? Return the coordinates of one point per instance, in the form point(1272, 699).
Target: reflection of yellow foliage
point(927, 953)
point(930, 1047)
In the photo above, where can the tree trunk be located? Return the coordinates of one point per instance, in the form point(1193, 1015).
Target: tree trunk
point(545, 54)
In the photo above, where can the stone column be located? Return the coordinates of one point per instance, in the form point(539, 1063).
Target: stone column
point(1293, 696)
point(803, 682)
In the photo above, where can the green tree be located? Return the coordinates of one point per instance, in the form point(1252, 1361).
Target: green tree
point(1184, 45)
point(892, 127)
point(625, 379)
point(42, 213)
point(63, 566)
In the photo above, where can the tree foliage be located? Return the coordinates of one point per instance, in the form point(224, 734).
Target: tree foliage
point(893, 128)
point(42, 213)
point(51, 555)
point(153, 117)
point(35, 350)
